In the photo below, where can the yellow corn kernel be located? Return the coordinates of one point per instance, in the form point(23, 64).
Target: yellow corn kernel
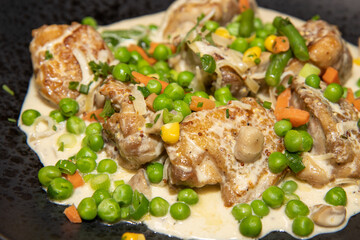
point(223, 32)
point(251, 54)
point(357, 61)
point(170, 132)
point(133, 236)
point(251, 38)
point(269, 43)
point(154, 75)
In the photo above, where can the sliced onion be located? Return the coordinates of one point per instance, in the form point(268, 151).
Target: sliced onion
point(41, 122)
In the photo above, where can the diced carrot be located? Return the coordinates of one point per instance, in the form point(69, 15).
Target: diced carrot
point(283, 99)
point(75, 179)
point(199, 103)
point(142, 52)
point(350, 95)
point(140, 78)
point(243, 5)
point(93, 116)
point(72, 214)
point(153, 45)
point(281, 44)
point(296, 116)
point(150, 101)
point(356, 103)
point(331, 75)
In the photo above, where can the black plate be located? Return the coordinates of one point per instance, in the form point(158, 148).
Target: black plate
point(24, 209)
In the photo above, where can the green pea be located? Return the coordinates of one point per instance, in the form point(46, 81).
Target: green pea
point(100, 181)
point(135, 57)
point(65, 166)
point(201, 94)
point(122, 72)
point(188, 196)
point(95, 142)
point(159, 207)
point(260, 208)
point(109, 210)
point(174, 91)
point(99, 195)
point(233, 28)
point(142, 63)
point(86, 164)
point(250, 226)
point(241, 211)
point(336, 196)
point(289, 186)
point(107, 165)
point(333, 92)
point(282, 127)
point(180, 211)
point(174, 74)
point(211, 25)
point(270, 28)
point(313, 80)
point(28, 116)
point(57, 116)
point(161, 52)
point(133, 67)
point(239, 44)
point(93, 128)
point(171, 117)
point(146, 70)
point(262, 33)
point(258, 23)
point(47, 174)
point(184, 78)
point(290, 196)
point(162, 65)
point(295, 208)
point(122, 54)
point(293, 141)
point(87, 208)
point(307, 141)
point(187, 98)
point(123, 194)
point(90, 21)
point(258, 42)
point(87, 177)
point(75, 125)
point(208, 63)
point(68, 107)
point(302, 226)
point(273, 197)
point(223, 95)
point(154, 86)
point(182, 107)
point(277, 162)
point(60, 189)
point(86, 152)
point(154, 172)
point(125, 212)
point(163, 101)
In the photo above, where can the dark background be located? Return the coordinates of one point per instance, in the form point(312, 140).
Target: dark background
point(25, 212)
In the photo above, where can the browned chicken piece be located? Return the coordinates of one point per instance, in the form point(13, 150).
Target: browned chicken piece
point(124, 132)
point(228, 145)
point(60, 55)
point(182, 15)
point(326, 47)
point(336, 136)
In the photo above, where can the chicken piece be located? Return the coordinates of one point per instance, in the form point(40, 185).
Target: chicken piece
point(125, 131)
point(231, 151)
point(60, 55)
point(336, 136)
point(327, 48)
point(182, 15)
point(141, 183)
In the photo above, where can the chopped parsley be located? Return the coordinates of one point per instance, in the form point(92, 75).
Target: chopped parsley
point(100, 69)
point(94, 117)
point(61, 148)
point(316, 17)
point(200, 104)
point(149, 125)
point(131, 98)
point(13, 120)
point(73, 85)
point(267, 104)
point(227, 113)
point(108, 110)
point(48, 55)
point(145, 92)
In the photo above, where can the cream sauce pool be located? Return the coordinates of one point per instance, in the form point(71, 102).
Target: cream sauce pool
point(209, 218)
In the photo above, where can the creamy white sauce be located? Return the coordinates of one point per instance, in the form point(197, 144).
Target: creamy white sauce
point(209, 218)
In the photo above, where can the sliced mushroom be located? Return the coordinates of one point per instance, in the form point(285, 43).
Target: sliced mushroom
point(328, 216)
point(249, 144)
point(140, 182)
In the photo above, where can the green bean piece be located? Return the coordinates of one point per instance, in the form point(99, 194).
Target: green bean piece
point(297, 42)
point(60, 189)
point(140, 205)
point(246, 23)
point(28, 116)
point(294, 161)
point(109, 210)
point(159, 207)
point(276, 67)
point(107, 165)
point(188, 196)
point(123, 194)
point(66, 166)
point(87, 208)
point(99, 195)
point(47, 174)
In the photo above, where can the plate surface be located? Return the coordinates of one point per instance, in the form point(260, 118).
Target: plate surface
point(24, 209)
